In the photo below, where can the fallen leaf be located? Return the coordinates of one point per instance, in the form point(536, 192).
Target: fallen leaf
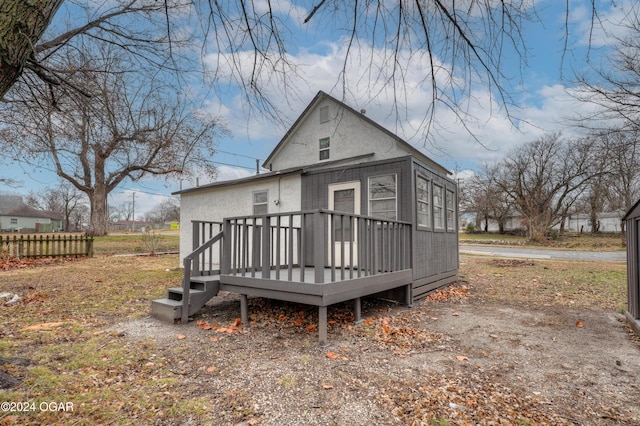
point(181, 336)
point(455, 314)
point(237, 322)
point(332, 355)
point(462, 358)
point(579, 324)
point(311, 328)
point(212, 369)
point(327, 387)
point(43, 326)
point(493, 336)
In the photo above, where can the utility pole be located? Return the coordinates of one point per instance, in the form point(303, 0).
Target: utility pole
point(133, 211)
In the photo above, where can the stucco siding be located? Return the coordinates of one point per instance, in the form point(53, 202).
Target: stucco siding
point(349, 136)
point(217, 203)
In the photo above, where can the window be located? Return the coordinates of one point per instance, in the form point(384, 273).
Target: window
point(423, 197)
point(451, 210)
point(324, 114)
point(438, 213)
point(324, 149)
point(14, 220)
point(260, 202)
point(383, 196)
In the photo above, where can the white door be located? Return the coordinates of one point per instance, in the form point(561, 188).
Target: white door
point(344, 197)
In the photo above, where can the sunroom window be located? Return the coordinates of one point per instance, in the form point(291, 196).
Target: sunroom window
point(438, 212)
point(423, 197)
point(383, 196)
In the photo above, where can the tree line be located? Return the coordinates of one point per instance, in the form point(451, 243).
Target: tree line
point(104, 93)
point(551, 178)
point(74, 207)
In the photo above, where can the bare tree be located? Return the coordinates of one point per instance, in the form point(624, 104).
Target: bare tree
point(63, 199)
point(125, 210)
point(622, 150)
point(457, 44)
point(166, 211)
point(22, 23)
point(487, 199)
point(544, 179)
point(125, 129)
point(614, 86)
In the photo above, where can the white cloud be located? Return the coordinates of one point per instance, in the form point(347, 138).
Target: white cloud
point(403, 111)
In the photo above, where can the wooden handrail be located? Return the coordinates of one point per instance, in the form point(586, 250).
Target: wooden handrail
point(186, 279)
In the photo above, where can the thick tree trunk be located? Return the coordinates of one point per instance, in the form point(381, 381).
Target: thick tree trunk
point(98, 222)
point(22, 23)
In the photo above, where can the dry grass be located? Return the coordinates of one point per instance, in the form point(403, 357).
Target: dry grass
point(568, 241)
point(75, 356)
point(592, 285)
point(165, 241)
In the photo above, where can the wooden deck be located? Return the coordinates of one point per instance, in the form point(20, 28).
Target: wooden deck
point(262, 256)
point(313, 293)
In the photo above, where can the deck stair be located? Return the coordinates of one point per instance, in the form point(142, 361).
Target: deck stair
point(202, 289)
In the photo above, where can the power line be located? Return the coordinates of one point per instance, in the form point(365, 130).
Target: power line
point(239, 155)
point(234, 165)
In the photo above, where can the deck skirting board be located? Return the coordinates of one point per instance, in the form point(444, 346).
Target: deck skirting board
point(425, 285)
point(321, 294)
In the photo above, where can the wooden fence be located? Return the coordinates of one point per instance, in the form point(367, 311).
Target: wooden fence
point(45, 246)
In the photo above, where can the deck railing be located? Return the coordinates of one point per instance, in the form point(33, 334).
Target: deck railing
point(207, 261)
point(311, 246)
point(46, 245)
point(288, 245)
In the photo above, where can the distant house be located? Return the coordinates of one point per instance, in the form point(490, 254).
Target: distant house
point(15, 216)
point(579, 222)
point(348, 209)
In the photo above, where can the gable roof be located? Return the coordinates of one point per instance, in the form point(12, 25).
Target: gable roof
point(246, 179)
point(23, 210)
point(321, 96)
point(634, 211)
point(8, 202)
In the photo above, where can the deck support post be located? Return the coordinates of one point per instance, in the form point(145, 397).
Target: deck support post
point(357, 310)
point(244, 309)
point(322, 326)
point(408, 295)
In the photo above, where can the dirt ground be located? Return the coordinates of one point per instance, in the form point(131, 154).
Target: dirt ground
point(459, 360)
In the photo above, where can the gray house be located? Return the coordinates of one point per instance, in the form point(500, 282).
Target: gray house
point(347, 210)
point(632, 225)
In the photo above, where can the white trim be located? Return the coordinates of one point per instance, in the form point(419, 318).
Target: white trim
point(355, 185)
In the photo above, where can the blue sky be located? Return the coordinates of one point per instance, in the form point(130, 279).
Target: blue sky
point(541, 94)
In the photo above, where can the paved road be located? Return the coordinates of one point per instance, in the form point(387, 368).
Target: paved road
point(531, 253)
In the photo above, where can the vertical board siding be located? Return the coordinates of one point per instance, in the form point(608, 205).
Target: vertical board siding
point(435, 253)
point(633, 265)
